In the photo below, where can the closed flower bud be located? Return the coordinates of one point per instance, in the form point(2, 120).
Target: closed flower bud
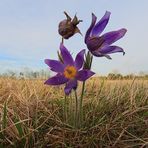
point(68, 27)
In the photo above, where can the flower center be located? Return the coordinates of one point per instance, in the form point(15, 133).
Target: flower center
point(70, 72)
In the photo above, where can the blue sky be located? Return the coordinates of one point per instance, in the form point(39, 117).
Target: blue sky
point(28, 32)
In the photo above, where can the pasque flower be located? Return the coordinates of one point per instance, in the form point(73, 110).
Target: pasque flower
point(101, 46)
point(69, 71)
point(68, 27)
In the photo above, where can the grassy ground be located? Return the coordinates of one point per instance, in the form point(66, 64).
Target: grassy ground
point(115, 114)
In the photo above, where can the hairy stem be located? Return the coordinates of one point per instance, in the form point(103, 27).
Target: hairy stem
point(83, 88)
point(62, 40)
point(65, 109)
point(76, 108)
point(81, 104)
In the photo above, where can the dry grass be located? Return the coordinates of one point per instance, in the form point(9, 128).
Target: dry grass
point(34, 115)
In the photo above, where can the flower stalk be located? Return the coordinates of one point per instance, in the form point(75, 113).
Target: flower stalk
point(76, 108)
point(65, 108)
point(87, 65)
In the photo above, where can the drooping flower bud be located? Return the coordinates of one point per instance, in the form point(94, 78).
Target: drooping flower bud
point(68, 27)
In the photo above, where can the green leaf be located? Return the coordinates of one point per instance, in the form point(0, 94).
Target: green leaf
point(19, 127)
point(4, 118)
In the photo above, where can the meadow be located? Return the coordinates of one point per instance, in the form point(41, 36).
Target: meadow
point(115, 114)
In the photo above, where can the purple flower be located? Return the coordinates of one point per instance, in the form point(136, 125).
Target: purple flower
point(69, 71)
point(101, 46)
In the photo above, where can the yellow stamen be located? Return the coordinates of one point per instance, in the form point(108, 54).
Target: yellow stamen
point(70, 72)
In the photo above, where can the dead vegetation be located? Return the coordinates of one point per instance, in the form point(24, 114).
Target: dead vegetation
point(115, 114)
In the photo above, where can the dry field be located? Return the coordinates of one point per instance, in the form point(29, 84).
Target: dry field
point(115, 115)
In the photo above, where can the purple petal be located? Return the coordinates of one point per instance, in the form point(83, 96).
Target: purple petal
point(103, 52)
point(54, 65)
point(83, 75)
point(67, 58)
point(111, 49)
point(94, 18)
point(71, 84)
point(100, 26)
point(79, 59)
point(113, 36)
point(98, 54)
point(56, 80)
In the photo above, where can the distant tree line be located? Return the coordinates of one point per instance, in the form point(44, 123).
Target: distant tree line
point(44, 74)
point(113, 76)
point(27, 73)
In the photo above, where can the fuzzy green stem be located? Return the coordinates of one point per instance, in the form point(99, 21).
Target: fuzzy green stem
point(62, 40)
point(76, 109)
point(83, 89)
point(65, 108)
point(65, 98)
point(81, 104)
